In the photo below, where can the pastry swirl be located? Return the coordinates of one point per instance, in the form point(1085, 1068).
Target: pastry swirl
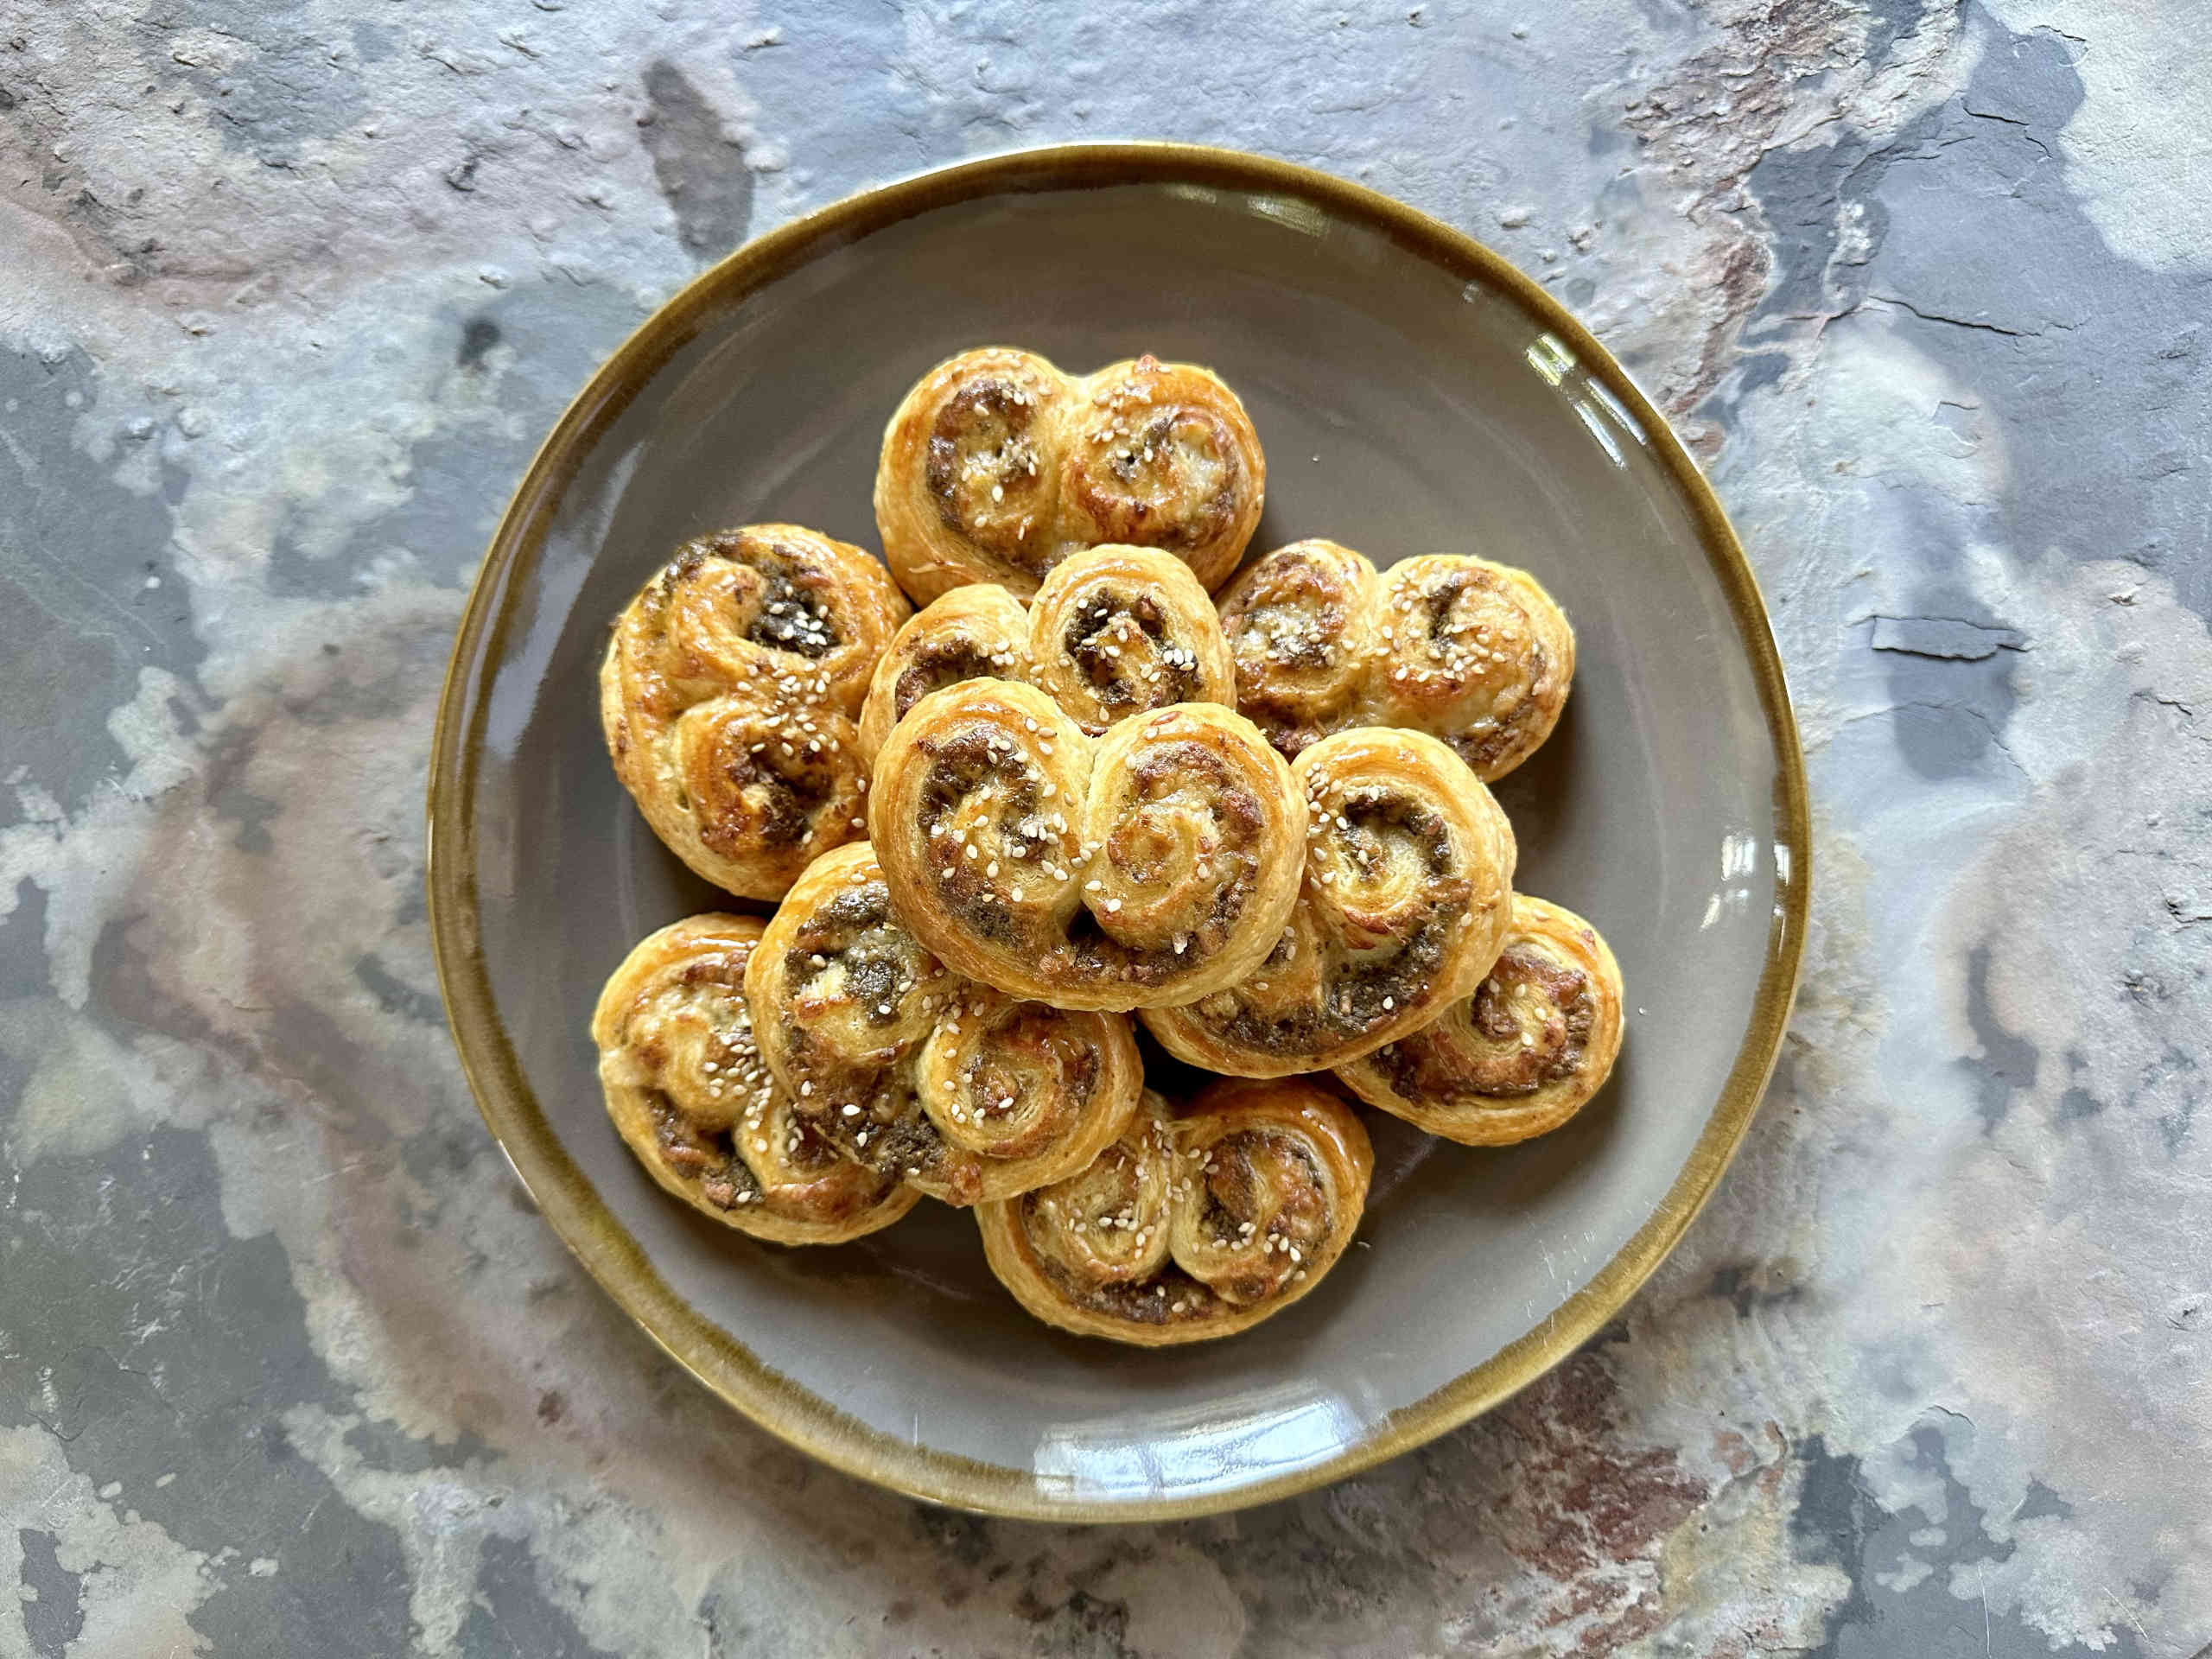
point(1114, 632)
point(1523, 1054)
point(1408, 890)
point(916, 1073)
point(1118, 631)
point(1197, 1224)
point(1473, 652)
point(728, 694)
point(1147, 866)
point(689, 1094)
point(997, 466)
point(977, 632)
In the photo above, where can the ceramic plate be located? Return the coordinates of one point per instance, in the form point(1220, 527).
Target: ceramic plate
point(1415, 394)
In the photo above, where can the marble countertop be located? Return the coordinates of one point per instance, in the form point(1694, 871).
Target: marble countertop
point(290, 288)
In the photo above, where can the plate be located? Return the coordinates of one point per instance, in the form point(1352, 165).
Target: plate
point(1415, 393)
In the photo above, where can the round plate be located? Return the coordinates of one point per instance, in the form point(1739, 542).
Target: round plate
point(1415, 393)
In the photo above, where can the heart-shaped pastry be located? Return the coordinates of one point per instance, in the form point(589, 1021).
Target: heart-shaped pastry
point(1408, 890)
point(1476, 653)
point(1198, 1223)
point(689, 1094)
point(728, 694)
point(997, 466)
point(916, 1073)
point(1142, 868)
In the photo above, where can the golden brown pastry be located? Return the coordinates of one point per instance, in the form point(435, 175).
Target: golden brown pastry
point(997, 466)
point(1117, 631)
point(1198, 1223)
point(1147, 866)
point(687, 1092)
point(728, 694)
point(1520, 1056)
point(916, 1073)
point(1474, 652)
point(1114, 632)
point(1408, 892)
point(975, 633)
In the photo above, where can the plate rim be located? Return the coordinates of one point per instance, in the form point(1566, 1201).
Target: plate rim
point(566, 1198)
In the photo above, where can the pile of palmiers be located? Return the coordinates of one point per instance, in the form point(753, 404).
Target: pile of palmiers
point(1081, 785)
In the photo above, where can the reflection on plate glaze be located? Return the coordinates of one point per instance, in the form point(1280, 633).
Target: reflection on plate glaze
point(1285, 210)
point(1548, 358)
point(1740, 857)
point(1201, 1448)
point(1621, 418)
point(1592, 402)
point(1591, 419)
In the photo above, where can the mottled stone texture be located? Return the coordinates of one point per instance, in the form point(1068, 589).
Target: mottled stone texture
point(289, 288)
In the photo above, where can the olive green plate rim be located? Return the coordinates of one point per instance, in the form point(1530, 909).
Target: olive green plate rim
point(567, 1200)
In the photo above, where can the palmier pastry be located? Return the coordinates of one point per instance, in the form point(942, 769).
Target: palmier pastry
point(687, 1092)
point(916, 1073)
point(1114, 632)
point(1521, 1056)
point(1117, 630)
point(1147, 866)
point(1408, 893)
point(997, 466)
point(1473, 652)
point(1198, 1223)
point(729, 692)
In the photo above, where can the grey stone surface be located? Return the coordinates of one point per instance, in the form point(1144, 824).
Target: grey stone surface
point(288, 288)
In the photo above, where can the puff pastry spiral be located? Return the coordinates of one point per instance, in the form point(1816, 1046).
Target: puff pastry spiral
point(1147, 866)
point(1114, 632)
point(729, 692)
point(1197, 1224)
point(687, 1092)
point(997, 466)
point(1408, 875)
point(1521, 1056)
point(1476, 653)
point(916, 1073)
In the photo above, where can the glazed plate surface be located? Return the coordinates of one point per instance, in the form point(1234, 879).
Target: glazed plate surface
point(1415, 394)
